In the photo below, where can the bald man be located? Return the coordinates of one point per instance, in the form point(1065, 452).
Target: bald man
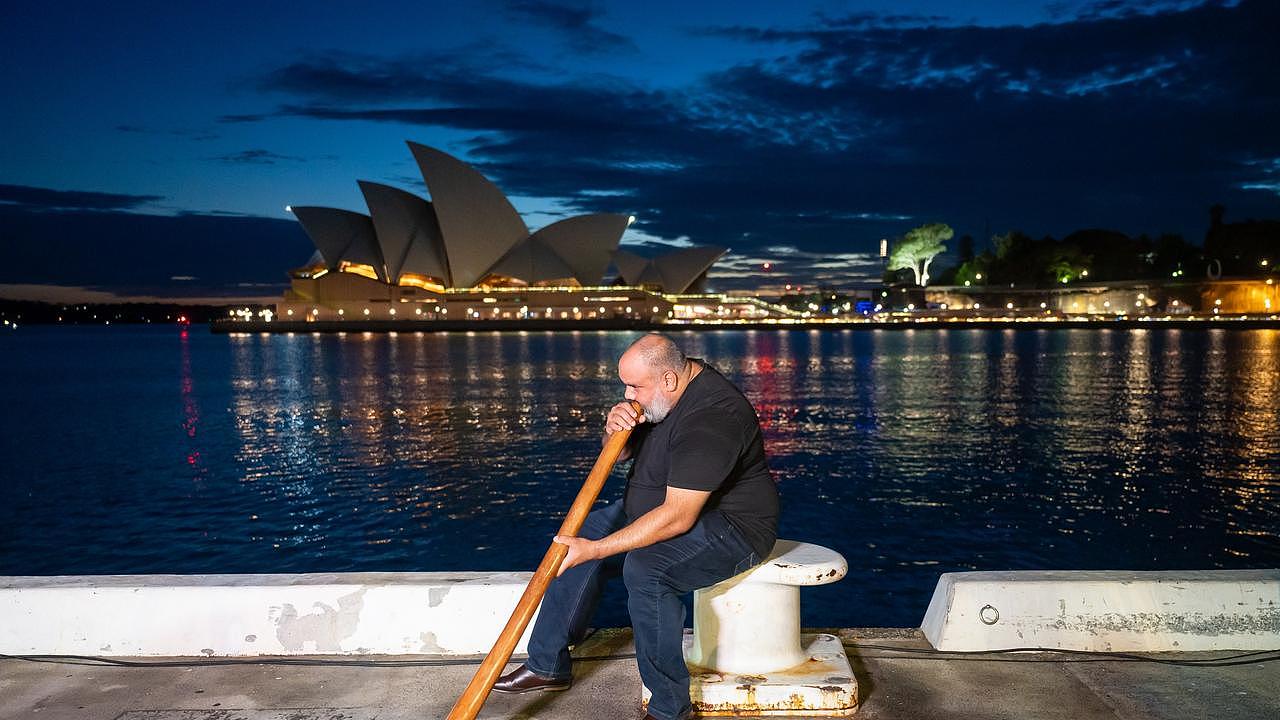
point(700, 507)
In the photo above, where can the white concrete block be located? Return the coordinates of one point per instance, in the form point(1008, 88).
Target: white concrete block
point(230, 615)
point(1163, 611)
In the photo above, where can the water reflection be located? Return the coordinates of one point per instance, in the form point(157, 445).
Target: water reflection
point(912, 452)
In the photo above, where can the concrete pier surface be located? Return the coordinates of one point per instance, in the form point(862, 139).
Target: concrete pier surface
point(893, 683)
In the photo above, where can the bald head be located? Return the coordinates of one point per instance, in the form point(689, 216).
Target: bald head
point(658, 353)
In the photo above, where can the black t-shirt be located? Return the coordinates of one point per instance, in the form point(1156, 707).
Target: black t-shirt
point(709, 441)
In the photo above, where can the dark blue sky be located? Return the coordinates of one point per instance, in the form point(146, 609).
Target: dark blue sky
point(150, 148)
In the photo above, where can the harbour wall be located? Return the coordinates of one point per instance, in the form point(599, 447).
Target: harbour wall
point(463, 613)
point(459, 613)
point(1106, 611)
point(921, 320)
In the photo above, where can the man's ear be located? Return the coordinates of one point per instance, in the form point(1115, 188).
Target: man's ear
point(670, 380)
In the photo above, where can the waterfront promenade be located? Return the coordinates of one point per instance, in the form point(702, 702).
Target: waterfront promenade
point(923, 321)
point(893, 683)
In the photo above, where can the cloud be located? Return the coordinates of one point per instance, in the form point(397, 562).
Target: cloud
point(141, 254)
point(256, 156)
point(34, 292)
point(861, 127)
point(577, 22)
point(197, 135)
point(37, 198)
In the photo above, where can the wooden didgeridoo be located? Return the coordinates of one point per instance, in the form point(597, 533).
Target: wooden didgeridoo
point(472, 699)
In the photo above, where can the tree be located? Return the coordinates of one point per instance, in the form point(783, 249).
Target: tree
point(918, 248)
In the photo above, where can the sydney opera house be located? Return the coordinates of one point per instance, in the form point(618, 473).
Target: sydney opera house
point(466, 254)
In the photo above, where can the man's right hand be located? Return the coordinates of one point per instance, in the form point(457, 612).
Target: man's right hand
point(622, 417)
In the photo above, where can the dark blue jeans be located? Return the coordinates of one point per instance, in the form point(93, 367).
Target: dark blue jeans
point(656, 577)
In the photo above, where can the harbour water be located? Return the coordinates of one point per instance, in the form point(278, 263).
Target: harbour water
point(150, 450)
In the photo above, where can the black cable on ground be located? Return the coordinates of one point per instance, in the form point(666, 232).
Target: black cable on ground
point(300, 662)
point(1247, 658)
point(901, 653)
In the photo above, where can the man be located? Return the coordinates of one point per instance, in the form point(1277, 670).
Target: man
point(700, 507)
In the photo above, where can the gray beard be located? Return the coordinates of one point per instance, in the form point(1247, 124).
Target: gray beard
point(657, 411)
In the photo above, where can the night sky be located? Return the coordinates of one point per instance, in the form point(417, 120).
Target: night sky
point(150, 148)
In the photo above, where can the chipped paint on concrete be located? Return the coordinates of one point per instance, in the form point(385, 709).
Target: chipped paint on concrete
point(1264, 621)
point(1107, 611)
point(246, 615)
point(430, 645)
point(323, 629)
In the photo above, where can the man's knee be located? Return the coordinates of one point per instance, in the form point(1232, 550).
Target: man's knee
point(640, 571)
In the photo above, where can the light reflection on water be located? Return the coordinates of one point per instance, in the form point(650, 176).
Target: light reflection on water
point(912, 452)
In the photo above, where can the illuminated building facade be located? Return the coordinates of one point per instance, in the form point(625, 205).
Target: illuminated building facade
point(466, 254)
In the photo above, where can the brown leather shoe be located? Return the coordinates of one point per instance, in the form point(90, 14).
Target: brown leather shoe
point(523, 680)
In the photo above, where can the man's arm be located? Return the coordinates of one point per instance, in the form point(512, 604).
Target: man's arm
point(677, 513)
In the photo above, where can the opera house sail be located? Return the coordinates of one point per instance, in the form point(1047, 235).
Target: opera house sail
point(465, 254)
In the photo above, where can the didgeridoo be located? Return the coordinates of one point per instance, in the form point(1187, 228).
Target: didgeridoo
point(472, 699)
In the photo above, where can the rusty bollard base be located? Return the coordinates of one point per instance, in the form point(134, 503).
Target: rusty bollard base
point(822, 685)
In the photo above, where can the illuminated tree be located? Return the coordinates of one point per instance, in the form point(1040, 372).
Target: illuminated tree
point(918, 248)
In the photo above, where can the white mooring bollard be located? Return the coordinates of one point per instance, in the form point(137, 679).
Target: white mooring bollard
point(746, 655)
point(750, 623)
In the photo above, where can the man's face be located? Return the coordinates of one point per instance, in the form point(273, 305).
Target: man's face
point(645, 386)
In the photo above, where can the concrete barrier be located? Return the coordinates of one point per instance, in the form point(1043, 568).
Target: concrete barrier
point(227, 615)
point(1118, 611)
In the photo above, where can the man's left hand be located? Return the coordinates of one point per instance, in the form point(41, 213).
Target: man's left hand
point(580, 550)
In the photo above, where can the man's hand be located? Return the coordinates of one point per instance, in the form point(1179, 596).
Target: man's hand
point(622, 417)
point(580, 550)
